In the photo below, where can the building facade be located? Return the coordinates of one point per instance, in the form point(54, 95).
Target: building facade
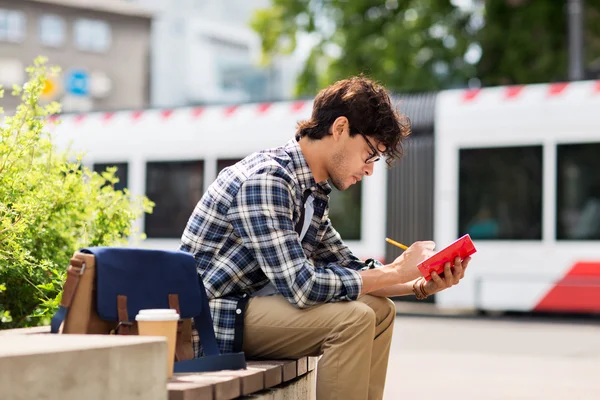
point(102, 47)
point(205, 52)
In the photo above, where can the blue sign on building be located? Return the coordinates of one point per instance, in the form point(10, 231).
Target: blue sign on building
point(77, 82)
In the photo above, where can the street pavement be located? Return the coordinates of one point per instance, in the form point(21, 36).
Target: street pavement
point(462, 356)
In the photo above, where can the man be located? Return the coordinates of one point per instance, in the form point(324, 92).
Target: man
point(281, 282)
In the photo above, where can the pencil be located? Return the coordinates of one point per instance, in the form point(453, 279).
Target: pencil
point(403, 247)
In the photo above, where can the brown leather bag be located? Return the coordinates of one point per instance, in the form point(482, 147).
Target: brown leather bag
point(80, 298)
point(106, 288)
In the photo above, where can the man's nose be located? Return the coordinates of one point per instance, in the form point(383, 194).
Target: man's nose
point(368, 170)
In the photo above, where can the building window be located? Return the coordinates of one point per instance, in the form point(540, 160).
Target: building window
point(92, 35)
point(12, 25)
point(578, 192)
point(175, 188)
point(500, 193)
point(345, 210)
point(121, 173)
point(226, 162)
point(52, 30)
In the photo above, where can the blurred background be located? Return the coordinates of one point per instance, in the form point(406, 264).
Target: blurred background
point(503, 98)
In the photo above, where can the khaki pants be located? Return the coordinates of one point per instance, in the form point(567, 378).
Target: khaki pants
point(354, 338)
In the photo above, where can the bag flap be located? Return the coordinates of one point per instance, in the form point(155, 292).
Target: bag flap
point(146, 277)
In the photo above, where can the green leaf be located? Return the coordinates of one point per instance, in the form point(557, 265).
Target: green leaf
point(6, 318)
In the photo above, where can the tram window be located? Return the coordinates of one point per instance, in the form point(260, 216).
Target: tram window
point(226, 162)
point(175, 188)
point(500, 193)
point(121, 173)
point(578, 192)
point(345, 211)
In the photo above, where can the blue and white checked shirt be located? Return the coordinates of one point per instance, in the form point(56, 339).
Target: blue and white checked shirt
point(242, 235)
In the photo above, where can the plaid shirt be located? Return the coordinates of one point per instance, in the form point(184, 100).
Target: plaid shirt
point(242, 236)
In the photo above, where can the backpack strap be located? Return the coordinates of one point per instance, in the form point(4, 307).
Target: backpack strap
point(213, 360)
point(124, 325)
point(74, 272)
point(204, 325)
point(183, 344)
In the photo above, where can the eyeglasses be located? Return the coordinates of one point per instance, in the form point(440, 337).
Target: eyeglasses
point(374, 156)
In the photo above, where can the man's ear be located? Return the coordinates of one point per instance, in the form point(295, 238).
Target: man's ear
point(338, 127)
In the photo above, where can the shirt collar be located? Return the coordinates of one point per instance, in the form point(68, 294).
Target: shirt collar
point(302, 170)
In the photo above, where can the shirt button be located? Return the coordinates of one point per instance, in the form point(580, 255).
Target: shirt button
point(245, 295)
point(238, 311)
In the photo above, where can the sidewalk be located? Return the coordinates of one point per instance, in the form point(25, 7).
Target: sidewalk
point(411, 308)
point(431, 310)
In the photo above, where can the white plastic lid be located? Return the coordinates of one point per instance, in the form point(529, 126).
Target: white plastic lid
point(158, 311)
point(157, 315)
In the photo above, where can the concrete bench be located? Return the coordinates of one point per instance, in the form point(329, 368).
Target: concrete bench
point(263, 379)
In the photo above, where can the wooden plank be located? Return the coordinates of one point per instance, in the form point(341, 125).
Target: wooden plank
point(223, 387)
point(273, 372)
point(289, 370)
point(302, 366)
point(183, 390)
point(251, 380)
point(312, 363)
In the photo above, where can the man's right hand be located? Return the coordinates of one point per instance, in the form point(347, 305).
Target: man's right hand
point(403, 269)
point(406, 263)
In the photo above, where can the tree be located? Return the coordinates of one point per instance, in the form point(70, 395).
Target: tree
point(408, 45)
point(419, 45)
point(525, 41)
point(50, 206)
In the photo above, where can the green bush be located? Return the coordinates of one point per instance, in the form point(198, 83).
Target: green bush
point(50, 206)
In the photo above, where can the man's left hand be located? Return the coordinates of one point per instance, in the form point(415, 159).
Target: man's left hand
point(452, 275)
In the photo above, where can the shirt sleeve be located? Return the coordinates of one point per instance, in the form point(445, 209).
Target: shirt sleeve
point(332, 249)
point(262, 215)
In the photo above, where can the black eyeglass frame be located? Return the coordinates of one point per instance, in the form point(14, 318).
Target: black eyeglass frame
point(375, 155)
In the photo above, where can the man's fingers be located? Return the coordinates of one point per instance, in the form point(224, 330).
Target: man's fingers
point(448, 274)
point(458, 270)
point(438, 281)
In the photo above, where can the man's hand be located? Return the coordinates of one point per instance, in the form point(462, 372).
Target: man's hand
point(406, 263)
point(452, 275)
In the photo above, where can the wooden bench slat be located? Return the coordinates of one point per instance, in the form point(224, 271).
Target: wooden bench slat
point(251, 380)
point(290, 370)
point(302, 366)
point(289, 367)
point(182, 390)
point(224, 387)
point(273, 371)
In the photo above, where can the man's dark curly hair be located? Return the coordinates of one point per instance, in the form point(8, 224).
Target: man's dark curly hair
point(369, 110)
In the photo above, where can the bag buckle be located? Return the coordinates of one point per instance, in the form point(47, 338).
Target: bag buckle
point(115, 331)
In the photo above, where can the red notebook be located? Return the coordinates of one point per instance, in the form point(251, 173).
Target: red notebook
point(462, 248)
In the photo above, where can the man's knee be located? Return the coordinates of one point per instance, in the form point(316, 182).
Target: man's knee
point(382, 306)
point(360, 314)
point(388, 306)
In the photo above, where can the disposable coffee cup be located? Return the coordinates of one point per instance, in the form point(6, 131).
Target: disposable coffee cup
point(159, 322)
